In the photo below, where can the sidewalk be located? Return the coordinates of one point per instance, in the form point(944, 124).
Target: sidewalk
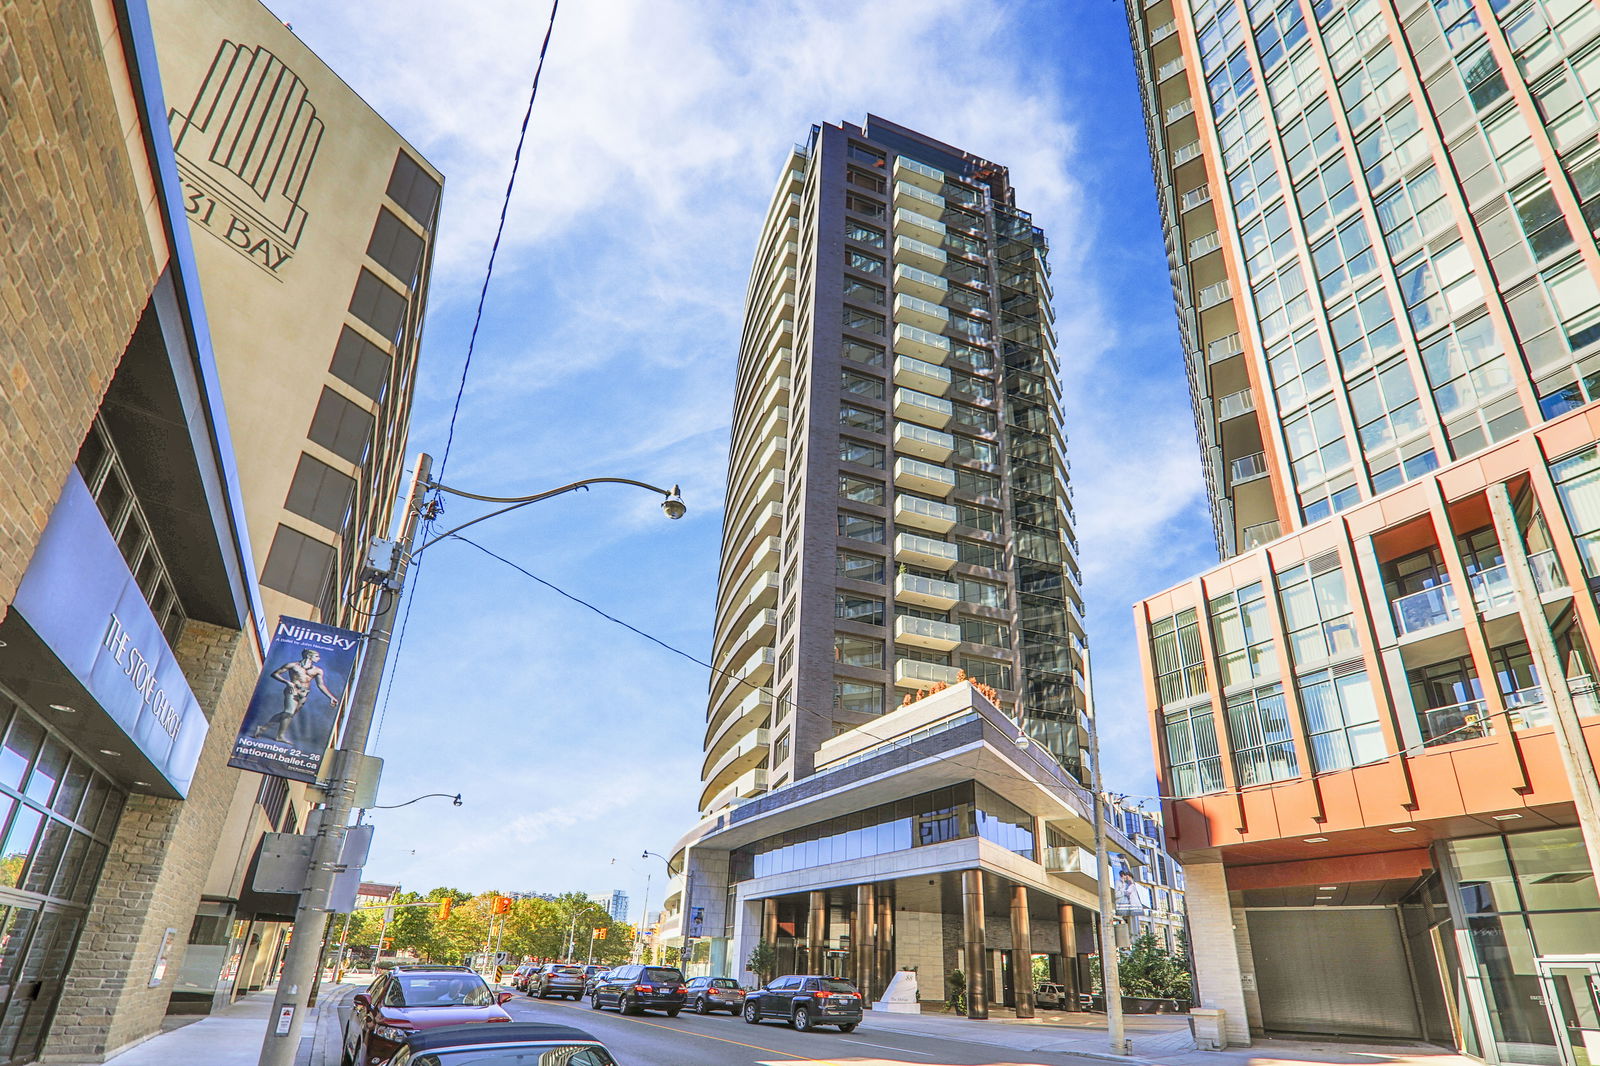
point(1157, 1039)
point(232, 1036)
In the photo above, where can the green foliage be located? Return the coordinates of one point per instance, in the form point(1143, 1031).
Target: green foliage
point(1148, 971)
point(1041, 969)
point(534, 928)
point(763, 960)
point(955, 992)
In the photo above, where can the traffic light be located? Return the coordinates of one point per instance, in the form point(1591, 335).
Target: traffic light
point(502, 905)
point(446, 905)
point(600, 934)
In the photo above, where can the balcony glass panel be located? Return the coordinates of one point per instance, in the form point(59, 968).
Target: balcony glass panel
point(1492, 591)
point(1425, 609)
point(1547, 575)
point(1247, 468)
point(1235, 404)
point(1455, 723)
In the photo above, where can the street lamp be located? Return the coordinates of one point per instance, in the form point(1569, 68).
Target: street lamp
point(301, 963)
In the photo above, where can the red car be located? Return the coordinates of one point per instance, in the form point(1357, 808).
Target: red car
point(409, 998)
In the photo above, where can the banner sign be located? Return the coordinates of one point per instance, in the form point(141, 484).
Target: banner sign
point(296, 702)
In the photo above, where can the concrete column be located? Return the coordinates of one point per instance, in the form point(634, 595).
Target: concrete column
point(816, 931)
point(1212, 943)
point(974, 937)
point(1068, 926)
point(884, 967)
point(1021, 951)
point(863, 946)
point(769, 920)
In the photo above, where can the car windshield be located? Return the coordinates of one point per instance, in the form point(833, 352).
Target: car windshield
point(440, 990)
point(662, 975)
point(543, 1055)
point(830, 985)
point(724, 982)
point(569, 969)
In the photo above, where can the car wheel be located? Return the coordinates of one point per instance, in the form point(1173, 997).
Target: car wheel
point(752, 1013)
point(848, 1027)
point(700, 1006)
point(801, 1020)
point(672, 1012)
point(626, 1006)
point(594, 1001)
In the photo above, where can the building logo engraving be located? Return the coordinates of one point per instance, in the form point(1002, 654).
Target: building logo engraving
point(245, 149)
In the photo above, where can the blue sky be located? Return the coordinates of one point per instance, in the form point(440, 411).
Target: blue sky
point(608, 349)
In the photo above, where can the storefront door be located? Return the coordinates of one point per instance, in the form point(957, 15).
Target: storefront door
point(1572, 998)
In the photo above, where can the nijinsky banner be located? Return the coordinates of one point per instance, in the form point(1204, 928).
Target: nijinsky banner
point(296, 702)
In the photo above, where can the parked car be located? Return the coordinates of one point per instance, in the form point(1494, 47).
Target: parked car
point(1051, 995)
point(558, 980)
point(594, 978)
point(707, 994)
point(634, 988)
point(519, 977)
point(517, 1044)
point(408, 998)
point(806, 1001)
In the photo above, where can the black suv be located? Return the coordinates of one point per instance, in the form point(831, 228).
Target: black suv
point(805, 1002)
point(634, 988)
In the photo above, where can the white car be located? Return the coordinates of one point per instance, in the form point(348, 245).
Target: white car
point(1049, 994)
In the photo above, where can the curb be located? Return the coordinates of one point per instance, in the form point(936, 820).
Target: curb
point(1045, 1048)
point(326, 1034)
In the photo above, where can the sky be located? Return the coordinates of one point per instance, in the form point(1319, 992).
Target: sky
point(608, 348)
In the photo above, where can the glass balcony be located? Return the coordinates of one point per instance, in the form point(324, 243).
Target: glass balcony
point(1195, 197)
point(1235, 404)
point(1069, 859)
point(1169, 68)
point(916, 224)
point(1455, 723)
point(924, 514)
point(1224, 348)
point(1187, 152)
point(920, 407)
point(915, 311)
point(1526, 707)
point(917, 253)
point(1425, 609)
point(920, 476)
point(1181, 109)
point(925, 443)
point(1260, 533)
point(930, 552)
point(919, 174)
point(913, 373)
point(1212, 295)
point(914, 673)
point(917, 282)
point(912, 198)
point(920, 343)
point(936, 593)
point(926, 633)
point(1205, 245)
point(1247, 468)
point(1547, 576)
point(1492, 591)
point(1162, 32)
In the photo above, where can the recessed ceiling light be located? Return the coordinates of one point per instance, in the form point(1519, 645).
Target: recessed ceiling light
point(1320, 898)
point(1327, 888)
point(108, 751)
point(1404, 829)
point(1316, 840)
point(63, 708)
point(142, 784)
point(1506, 817)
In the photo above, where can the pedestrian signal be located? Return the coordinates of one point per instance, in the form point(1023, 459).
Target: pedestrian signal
point(445, 907)
point(502, 905)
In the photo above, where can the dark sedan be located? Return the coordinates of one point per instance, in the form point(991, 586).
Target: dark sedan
point(411, 998)
point(517, 1044)
point(707, 994)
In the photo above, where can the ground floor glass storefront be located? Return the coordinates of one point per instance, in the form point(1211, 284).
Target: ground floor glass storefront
point(1523, 901)
point(58, 813)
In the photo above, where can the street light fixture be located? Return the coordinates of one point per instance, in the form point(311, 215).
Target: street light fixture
point(301, 963)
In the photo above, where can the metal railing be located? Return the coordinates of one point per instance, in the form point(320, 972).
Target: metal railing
point(1423, 610)
point(1547, 575)
point(1492, 589)
point(1247, 468)
point(1260, 533)
point(1224, 348)
point(1179, 110)
point(1185, 153)
point(1205, 244)
point(1235, 404)
point(1455, 723)
point(1192, 199)
point(1212, 295)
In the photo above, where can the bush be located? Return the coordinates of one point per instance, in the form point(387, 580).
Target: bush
point(1148, 971)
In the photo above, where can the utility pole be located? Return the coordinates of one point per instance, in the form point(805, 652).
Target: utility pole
point(644, 911)
point(287, 1019)
point(1110, 977)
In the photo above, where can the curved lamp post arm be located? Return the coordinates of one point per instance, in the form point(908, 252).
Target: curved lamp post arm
point(455, 801)
point(514, 502)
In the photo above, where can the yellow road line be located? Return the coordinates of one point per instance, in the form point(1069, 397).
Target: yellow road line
point(792, 1056)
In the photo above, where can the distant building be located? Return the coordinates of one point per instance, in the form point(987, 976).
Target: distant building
point(615, 903)
point(1150, 899)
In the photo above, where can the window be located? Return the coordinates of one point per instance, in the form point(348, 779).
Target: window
point(1386, 407)
point(1316, 610)
point(1540, 217)
point(865, 321)
point(862, 291)
point(1175, 644)
point(414, 190)
point(982, 631)
point(1466, 368)
point(858, 451)
point(863, 179)
point(861, 352)
point(1436, 286)
point(860, 385)
point(862, 154)
point(986, 672)
point(298, 565)
point(860, 231)
point(395, 247)
point(341, 427)
point(977, 553)
point(970, 481)
point(867, 610)
point(780, 749)
point(1344, 259)
point(1317, 446)
point(320, 493)
point(861, 490)
point(360, 363)
point(1412, 211)
point(1193, 758)
point(867, 264)
point(861, 418)
point(983, 593)
point(1364, 329)
point(984, 518)
point(1263, 746)
point(1577, 479)
point(1243, 635)
point(860, 527)
point(1341, 719)
point(859, 567)
point(857, 651)
point(379, 306)
point(863, 205)
point(855, 697)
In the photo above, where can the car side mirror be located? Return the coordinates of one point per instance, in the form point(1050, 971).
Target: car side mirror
point(504, 997)
point(363, 1000)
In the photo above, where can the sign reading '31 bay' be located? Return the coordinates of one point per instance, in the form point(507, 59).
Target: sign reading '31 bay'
point(245, 148)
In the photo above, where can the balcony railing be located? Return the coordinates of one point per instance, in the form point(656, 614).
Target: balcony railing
point(1187, 152)
point(1526, 707)
point(1195, 197)
point(915, 279)
point(1169, 68)
point(925, 551)
point(1547, 575)
point(1224, 348)
point(1455, 723)
point(1205, 245)
point(1261, 533)
point(1492, 590)
point(912, 439)
point(926, 632)
point(926, 591)
point(1247, 468)
point(1425, 609)
point(1162, 32)
point(914, 673)
point(1179, 110)
point(1212, 295)
point(1235, 404)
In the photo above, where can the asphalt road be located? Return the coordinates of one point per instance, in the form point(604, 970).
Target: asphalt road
point(723, 1040)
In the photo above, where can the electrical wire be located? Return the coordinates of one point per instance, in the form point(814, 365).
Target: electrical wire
point(494, 249)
